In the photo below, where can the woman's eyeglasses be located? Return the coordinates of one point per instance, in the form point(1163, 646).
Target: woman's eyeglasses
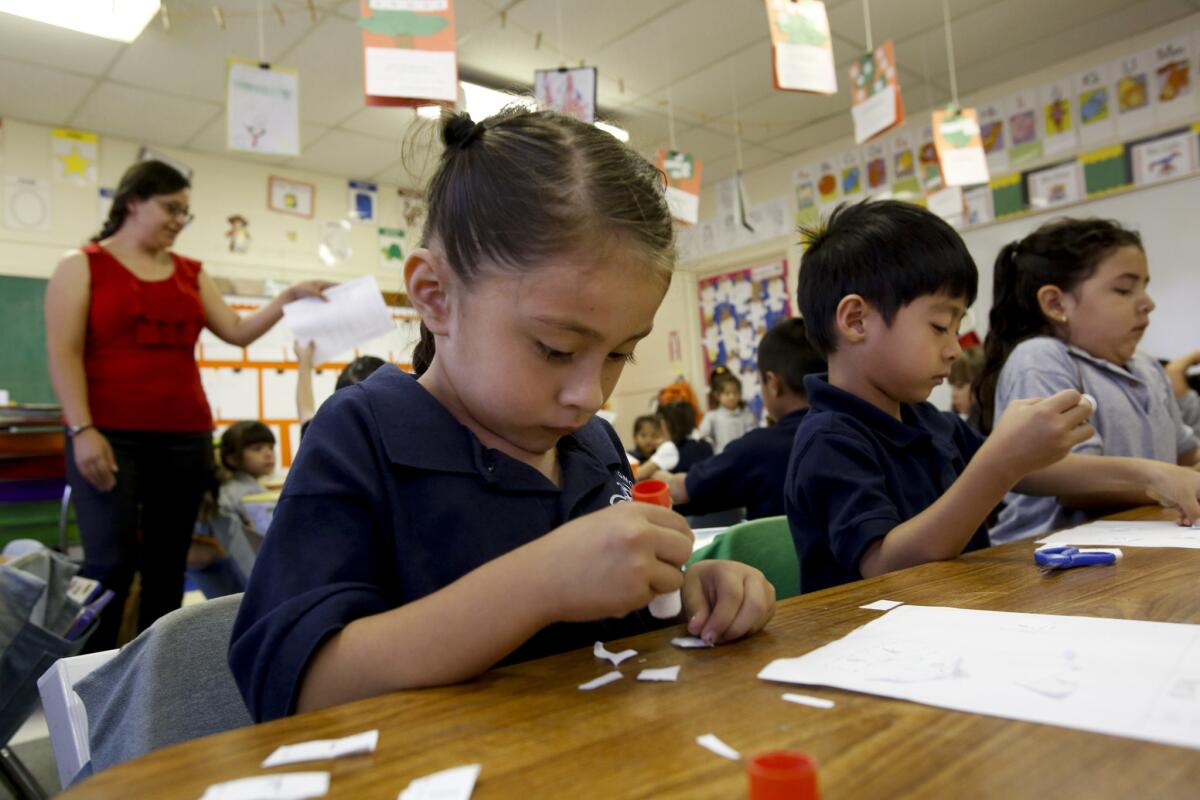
point(176, 210)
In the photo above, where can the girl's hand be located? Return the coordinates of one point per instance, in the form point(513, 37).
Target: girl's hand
point(611, 562)
point(304, 352)
point(95, 460)
point(306, 289)
point(1175, 487)
point(1038, 432)
point(726, 600)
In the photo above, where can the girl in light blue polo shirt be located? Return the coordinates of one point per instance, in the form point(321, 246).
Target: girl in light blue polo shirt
point(1070, 308)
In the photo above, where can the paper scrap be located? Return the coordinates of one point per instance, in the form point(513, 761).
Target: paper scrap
point(882, 605)
point(352, 313)
point(455, 783)
point(603, 680)
point(318, 749)
point(284, 786)
point(615, 658)
point(710, 742)
point(687, 642)
point(1142, 533)
point(664, 674)
point(807, 700)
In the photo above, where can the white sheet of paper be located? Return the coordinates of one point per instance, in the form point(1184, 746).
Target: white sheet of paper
point(1118, 677)
point(603, 680)
point(710, 742)
point(663, 674)
point(687, 642)
point(882, 605)
point(808, 700)
point(1126, 534)
point(279, 393)
point(319, 749)
point(456, 783)
point(284, 786)
point(353, 313)
point(616, 658)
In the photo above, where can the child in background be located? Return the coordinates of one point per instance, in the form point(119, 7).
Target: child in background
point(963, 374)
point(750, 473)
point(1071, 305)
point(248, 453)
point(679, 421)
point(356, 371)
point(647, 436)
point(879, 479)
point(434, 526)
point(730, 419)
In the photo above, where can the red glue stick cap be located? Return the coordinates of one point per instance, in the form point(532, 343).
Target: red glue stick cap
point(782, 775)
point(655, 492)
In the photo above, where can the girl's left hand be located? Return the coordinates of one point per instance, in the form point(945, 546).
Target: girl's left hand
point(1178, 488)
point(726, 600)
point(306, 289)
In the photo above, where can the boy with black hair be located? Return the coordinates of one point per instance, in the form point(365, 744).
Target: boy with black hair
point(878, 478)
point(749, 472)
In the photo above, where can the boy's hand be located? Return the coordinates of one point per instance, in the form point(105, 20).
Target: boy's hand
point(1177, 371)
point(611, 562)
point(1175, 487)
point(726, 600)
point(1036, 433)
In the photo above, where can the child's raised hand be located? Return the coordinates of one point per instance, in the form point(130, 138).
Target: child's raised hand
point(1036, 433)
point(611, 562)
point(726, 600)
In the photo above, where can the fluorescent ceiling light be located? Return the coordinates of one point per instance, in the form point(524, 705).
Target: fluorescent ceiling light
point(481, 102)
point(429, 112)
point(620, 133)
point(123, 20)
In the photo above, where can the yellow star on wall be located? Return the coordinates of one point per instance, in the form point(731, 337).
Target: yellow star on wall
point(75, 164)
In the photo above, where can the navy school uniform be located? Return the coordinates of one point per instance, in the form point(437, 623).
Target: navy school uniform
point(748, 473)
point(856, 473)
point(390, 500)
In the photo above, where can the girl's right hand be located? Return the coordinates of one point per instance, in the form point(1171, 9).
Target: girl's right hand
point(1038, 432)
point(611, 562)
point(95, 460)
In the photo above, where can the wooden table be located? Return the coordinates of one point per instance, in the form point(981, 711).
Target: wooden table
point(537, 736)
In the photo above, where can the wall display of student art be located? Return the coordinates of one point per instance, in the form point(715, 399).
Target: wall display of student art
point(736, 309)
point(409, 56)
point(567, 91)
point(262, 108)
point(288, 196)
point(801, 46)
point(74, 155)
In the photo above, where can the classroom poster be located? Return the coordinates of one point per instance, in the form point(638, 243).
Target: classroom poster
point(393, 248)
point(409, 56)
point(979, 206)
point(948, 203)
point(905, 183)
point(875, 102)
point(927, 162)
point(262, 108)
point(362, 198)
point(290, 197)
point(850, 174)
point(683, 184)
point(804, 185)
point(876, 168)
point(1058, 118)
point(1024, 136)
point(1164, 157)
point(27, 203)
point(1134, 92)
point(993, 133)
point(1008, 195)
point(828, 186)
point(1104, 170)
point(1094, 99)
point(567, 91)
point(74, 155)
point(736, 310)
point(959, 147)
point(801, 46)
point(1173, 79)
point(1056, 185)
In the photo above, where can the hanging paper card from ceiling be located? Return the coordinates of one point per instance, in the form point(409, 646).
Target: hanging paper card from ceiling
point(567, 91)
point(827, 182)
point(801, 46)
point(1135, 92)
point(1058, 118)
point(804, 180)
point(1025, 140)
point(993, 132)
point(408, 52)
point(683, 184)
point(877, 169)
point(959, 147)
point(262, 108)
point(875, 101)
point(905, 183)
point(1173, 79)
point(1094, 98)
point(74, 154)
point(927, 163)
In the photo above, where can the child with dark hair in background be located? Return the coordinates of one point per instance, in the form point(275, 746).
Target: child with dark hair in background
point(679, 419)
point(248, 453)
point(356, 371)
point(647, 436)
point(1070, 306)
point(964, 371)
point(879, 479)
point(475, 513)
point(730, 418)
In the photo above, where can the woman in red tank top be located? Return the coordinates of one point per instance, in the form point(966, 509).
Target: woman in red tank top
point(122, 318)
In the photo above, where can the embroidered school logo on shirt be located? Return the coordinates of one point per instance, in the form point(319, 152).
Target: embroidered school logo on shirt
point(625, 493)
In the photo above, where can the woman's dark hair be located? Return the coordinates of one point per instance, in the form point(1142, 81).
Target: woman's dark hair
point(240, 435)
point(358, 371)
point(681, 420)
point(1062, 253)
point(523, 186)
point(142, 181)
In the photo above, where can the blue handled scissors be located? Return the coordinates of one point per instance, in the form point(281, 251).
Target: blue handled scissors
point(1051, 558)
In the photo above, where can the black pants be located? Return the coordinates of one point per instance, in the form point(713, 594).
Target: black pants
point(144, 524)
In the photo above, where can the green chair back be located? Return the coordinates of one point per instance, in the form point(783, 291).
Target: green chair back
point(765, 544)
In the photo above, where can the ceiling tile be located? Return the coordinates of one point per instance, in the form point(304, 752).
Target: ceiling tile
point(351, 155)
point(143, 116)
point(39, 43)
point(40, 94)
point(752, 158)
point(331, 72)
point(212, 137)
point(386, 123)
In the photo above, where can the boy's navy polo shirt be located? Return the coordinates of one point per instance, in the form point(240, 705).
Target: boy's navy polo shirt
point(391, 499)
point(856, 472)
point(748, 473)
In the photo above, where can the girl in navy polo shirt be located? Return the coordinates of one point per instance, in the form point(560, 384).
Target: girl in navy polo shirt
point(434, 526)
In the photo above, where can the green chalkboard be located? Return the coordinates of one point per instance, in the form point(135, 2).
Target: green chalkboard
point(23, 341)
